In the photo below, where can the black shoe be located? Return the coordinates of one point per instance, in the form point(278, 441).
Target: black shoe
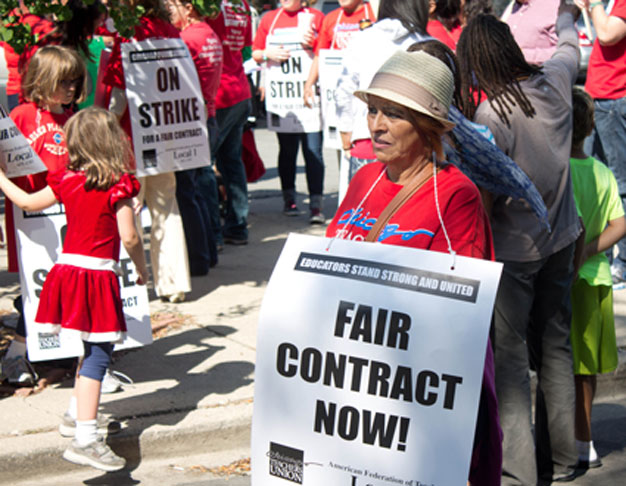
point(290, 209)
point(584, 465)
point(229, 240)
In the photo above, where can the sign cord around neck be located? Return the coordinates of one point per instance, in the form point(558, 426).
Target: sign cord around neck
point(443, 226)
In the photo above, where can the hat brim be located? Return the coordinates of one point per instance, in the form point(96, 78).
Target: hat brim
point(390, 95)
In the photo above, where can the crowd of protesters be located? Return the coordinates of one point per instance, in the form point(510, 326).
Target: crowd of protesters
point(546, 157)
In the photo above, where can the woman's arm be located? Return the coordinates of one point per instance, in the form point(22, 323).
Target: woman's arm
point(609, 28)
point(310, 82)
point(28, 202)
point(130, 238)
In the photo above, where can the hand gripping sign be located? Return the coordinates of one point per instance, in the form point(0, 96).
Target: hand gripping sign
point(284, 87)
point(166, 106)
point(369, 365)
point(15, 151)
point(39, 237)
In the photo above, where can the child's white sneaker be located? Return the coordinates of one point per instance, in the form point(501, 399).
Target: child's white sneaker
point(95, 454)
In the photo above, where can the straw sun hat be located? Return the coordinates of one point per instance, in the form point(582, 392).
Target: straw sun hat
point(417, 81)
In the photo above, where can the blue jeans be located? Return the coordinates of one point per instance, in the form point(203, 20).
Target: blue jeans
point(607, 143)
point(12, 101)
point(196, 220)
point(313, 160)
point(208, 197)
point(356, 164)
point(532, 325)
point(228, 158)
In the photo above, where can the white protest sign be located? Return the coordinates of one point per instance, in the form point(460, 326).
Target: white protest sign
point(15, 151)
point(330, 62)
point(369, 365)
point(39, 244)
point(166, 106)
point(284, 87)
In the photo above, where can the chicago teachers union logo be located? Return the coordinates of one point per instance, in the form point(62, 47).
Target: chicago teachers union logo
point(286, 462)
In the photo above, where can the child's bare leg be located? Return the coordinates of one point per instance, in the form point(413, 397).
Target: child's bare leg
point(87, 392)
point(585, 391)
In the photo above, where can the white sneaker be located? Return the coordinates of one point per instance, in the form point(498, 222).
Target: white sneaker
point(95, 454)
point(113, 381)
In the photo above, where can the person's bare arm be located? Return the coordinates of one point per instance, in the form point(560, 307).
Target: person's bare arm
point(308, 94)
point(615, 230)
point(35, 201)
point(130, 238)
point(609, 29)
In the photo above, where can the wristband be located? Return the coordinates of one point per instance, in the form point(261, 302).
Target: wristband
point(264, 57)
point(592, 5)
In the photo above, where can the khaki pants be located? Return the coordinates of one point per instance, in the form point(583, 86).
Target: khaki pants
point(168, 252)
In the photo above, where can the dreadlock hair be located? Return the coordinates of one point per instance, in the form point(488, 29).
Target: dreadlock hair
point(442, 52)
point(492, 64)
point(412, 13)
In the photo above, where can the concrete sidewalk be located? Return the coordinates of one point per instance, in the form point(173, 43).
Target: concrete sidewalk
point(193, 388)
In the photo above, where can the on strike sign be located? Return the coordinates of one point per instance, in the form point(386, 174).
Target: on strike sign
point(284, 87)
point(369, 365)
point(166, 105)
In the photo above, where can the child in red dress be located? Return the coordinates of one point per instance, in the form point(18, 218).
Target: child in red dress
point(81, 293)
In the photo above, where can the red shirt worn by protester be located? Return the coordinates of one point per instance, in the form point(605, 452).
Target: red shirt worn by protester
point(338, 26)
point(148, 28)
point(606, 74)
point(439, 32)
point(416, 225)
point(234, 29)
point(44, 133)
point(79, 298)
point(206, 51)
point(282, 19)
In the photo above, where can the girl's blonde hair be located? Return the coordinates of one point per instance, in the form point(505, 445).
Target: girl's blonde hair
point(49, 66)
point(97, 146)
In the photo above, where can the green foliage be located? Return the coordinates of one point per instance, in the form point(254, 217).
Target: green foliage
point(19, 35)
point(206, 8)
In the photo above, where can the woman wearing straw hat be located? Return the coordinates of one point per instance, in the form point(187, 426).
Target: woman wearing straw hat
point(437, 207)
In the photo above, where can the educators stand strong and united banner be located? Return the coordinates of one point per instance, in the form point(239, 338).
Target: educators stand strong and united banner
point(167, 112)
point(369, 365)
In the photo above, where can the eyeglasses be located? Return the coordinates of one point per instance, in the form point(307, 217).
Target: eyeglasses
point(68, 83)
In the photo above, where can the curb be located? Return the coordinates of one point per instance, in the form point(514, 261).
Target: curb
point(201, 431)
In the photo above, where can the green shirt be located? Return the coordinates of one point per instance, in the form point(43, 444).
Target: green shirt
point(598, 202)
